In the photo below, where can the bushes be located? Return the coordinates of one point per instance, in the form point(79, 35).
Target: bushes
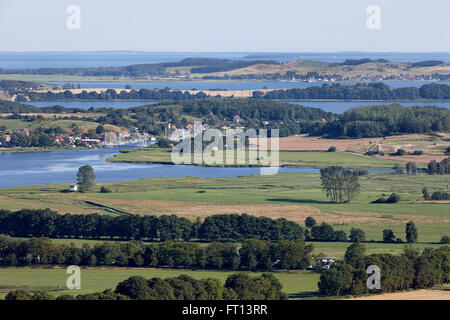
point(360, 172)
point(235, 227)
point(264, 287)
point(104, 189)
point(325, 232)
point(393, 198)
point(164, 143)
point(440, 195)
point(388, 236)
point(445, 240)
point(26, 295)
point(332, 149)
point(357, 235)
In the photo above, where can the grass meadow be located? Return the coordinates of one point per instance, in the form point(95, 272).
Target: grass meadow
point(295, 284)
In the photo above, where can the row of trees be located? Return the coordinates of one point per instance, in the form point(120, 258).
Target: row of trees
point(380, 121)
point(32, 140)
point(236, 287)
point(410, 168)
point(371, 91)
point(111, 94)
point(369, 121)
point(412, 269)
point(232, 227)
point(227, 227)
point(253, 255)
point(360, 91)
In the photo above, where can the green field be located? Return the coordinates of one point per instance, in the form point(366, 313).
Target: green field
point(299, 191)
point(336, 249)
point(17, 124)
point(295, 284)
point(286, 158)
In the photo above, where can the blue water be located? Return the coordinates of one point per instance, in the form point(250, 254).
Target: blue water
point(34, 60)
point(230, 84)
point(38, 168)
point(331, 106)
point(88, 104)
point(342, 106)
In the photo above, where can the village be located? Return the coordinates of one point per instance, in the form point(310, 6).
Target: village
point(23, 138)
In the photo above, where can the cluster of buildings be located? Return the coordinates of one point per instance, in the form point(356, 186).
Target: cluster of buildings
point(107, 138)
point(83, 138)
point(178, 134)
point(327, 262)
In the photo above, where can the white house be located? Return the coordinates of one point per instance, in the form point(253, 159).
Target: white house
point(73, 188)
point(328, 260)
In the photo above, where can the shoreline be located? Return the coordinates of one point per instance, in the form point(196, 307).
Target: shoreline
point(74, 78)
point(281, 100)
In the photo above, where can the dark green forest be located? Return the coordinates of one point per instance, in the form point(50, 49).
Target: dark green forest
point(361, 91)
point(203, 65)
point(360, 122)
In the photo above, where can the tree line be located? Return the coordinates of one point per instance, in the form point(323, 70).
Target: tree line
point(380, 121)
point(368, 121)
point(410, 270)
point(236, 287)
point(221, 227)
point(111, 94)
point(217, 228)
point(232, 227)
point(360, 91)
point(254, 254)
point(201, 65)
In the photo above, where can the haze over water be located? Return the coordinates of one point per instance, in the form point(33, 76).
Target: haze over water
point(34, 60)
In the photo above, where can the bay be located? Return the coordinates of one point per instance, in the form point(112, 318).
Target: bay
point(40, 168)
point(329, 106)
point(66, 59)
point(228, 84)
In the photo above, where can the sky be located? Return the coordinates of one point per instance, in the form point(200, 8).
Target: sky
point(225, 26)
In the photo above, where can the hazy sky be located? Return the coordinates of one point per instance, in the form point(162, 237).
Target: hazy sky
point(229, 25)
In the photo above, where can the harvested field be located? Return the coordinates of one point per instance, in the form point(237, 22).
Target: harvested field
point(432, 146)
point(422, 294)
point(425, 158)
point(303, 142)
point(291, 212)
